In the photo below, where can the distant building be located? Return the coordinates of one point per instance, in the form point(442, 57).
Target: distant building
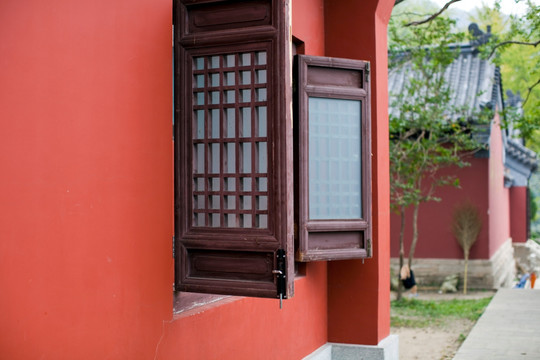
point(496, 182)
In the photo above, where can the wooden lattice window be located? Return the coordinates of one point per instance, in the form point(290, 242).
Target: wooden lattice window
point(230, 140)
point(233, 148)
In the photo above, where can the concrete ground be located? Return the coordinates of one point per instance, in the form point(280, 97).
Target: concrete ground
point(509, 328)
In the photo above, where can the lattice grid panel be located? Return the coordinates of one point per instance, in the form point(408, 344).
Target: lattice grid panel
point(230, 141)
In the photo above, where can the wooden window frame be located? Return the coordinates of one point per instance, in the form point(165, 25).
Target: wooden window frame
point(234, 260)
point(338, 79)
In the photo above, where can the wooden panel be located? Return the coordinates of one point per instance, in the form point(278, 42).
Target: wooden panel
point(336, 240)
point(331, 237)
point(317, 75)
point(231, 265)
point(229, 15)
point(233, 146)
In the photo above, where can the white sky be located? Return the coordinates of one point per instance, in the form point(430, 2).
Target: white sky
point(507, 6)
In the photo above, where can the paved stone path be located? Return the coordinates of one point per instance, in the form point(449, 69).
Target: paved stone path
point(509, 329)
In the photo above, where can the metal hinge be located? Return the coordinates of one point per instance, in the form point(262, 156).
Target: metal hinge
point(368, 246)
point(367, 72)
point(173, 248)
point(281, 277)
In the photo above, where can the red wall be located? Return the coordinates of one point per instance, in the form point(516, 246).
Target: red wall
point(499, 196)
point(518, 213)
point(359, 295)
point(482, 183)
point(86, 186)
point(86, 206)
point(435, 238)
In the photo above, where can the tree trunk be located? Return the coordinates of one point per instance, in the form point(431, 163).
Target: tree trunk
point(415, 234)
point(401, 252)
point(465, 272)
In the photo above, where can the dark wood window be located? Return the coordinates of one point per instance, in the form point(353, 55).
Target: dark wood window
point(233, 148)
point(334, 151)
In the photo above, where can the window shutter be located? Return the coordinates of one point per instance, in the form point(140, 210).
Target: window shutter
point(233, 148)
point(334, 151)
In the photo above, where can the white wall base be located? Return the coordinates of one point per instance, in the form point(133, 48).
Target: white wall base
point(387, 349)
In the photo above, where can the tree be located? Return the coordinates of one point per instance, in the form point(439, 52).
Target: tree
point(466, 225)
point(515, 49)
point(425, 133)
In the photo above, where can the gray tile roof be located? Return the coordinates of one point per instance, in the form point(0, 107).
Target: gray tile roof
point(474, 82)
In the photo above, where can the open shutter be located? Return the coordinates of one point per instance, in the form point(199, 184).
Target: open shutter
point(233, 148)
point(334, 150)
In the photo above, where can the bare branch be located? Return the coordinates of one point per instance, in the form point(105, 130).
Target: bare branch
point(529, 91)
point(512, 42)
point(428, 19)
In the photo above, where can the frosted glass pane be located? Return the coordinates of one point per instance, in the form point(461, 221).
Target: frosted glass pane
point(229, 60)
point(229, 79)
point(214, 79)
point(261, 114)
point(246, 157)
point(215, 159)
point(261, 76)
point(214, 114)
point(245, 59)
point(199, 81)
point(199, 130)
point(246, 122)
point(262, 163)
point(214, 62)
point(230, 123)
point(334, 159)
point(230, 167)
point(261, 58)
point(198, 158)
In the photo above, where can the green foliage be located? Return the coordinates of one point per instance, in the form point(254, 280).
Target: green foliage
point(424, 313)
point(515, 47)
point(424, 135)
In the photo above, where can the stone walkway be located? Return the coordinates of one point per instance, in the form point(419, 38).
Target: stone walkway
point(509, 328)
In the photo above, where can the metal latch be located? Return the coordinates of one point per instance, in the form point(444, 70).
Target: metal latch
point(281, 277)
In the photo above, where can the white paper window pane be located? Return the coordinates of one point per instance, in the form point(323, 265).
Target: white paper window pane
point(335, 179)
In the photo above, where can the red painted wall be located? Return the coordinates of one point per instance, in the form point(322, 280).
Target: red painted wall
point(308, 25)
point(483, 184)
point(359, 295)
point(86, 185)
point(518, 213)
point(499, 196)
point(86, 193)
point(435, 238)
